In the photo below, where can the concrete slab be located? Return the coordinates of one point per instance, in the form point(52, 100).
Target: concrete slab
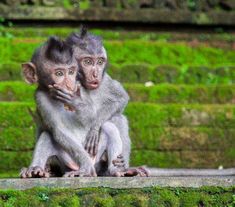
point(118, 183)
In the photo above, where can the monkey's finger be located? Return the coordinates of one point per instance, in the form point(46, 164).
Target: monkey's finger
point(131, 172)
point(119, 165)
point(120, 156)
point(23, 172)
point(94, 145)
point(87, 146)
point(63, 90)
point(46, 174)
point(59, 93)
point(29, 173)
point(144, 172)
point(38, 171)
point(93, 173)
point(118, 161)
point(63, 100)
point(90, 146)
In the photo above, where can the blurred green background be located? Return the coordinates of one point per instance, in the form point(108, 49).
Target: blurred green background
point(181, 82)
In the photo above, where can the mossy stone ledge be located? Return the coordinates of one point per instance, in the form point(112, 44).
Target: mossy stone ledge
point(118, 183)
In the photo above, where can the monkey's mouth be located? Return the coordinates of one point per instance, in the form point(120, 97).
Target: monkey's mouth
point(93, 84)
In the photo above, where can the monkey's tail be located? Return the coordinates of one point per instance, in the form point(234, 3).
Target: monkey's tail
point(162, 172)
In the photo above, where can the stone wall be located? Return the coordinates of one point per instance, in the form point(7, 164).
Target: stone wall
point(212, 12)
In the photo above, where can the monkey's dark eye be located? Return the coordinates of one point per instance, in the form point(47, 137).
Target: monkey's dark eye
point(100, 61)
point(71, 72)
point(87, 61)
point(59, 73)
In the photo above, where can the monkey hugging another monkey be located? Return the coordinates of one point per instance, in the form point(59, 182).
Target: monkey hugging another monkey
point(80, 126)
point(81, 129)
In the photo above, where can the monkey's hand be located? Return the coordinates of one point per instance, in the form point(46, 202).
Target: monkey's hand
point(87, 170)
point(65, 96)
point(92, 141)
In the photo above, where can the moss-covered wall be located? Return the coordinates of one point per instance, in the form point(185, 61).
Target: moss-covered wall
point(105, 197)
point(186, 119)
point(169, 135)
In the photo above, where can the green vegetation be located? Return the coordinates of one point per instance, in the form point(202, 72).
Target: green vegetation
point(186, 119)
point(170, 135)
point(161, 93)
point(152, 115)
point(105, 197)
point(132, 52)
point(141, 73)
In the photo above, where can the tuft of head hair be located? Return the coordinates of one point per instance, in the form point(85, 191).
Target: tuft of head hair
point(83, 32)
point(84, 40)
point(58, 51)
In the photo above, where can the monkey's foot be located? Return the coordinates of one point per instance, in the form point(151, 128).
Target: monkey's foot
point(119, 162)
point(132, 172)
point(71, 174)
point(34, 172)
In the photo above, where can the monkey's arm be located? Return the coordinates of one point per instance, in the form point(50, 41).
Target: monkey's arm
point(113, 101)
point(80, 104)
point(62, 135)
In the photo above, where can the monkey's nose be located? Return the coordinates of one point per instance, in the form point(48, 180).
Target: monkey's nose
point(95, 74)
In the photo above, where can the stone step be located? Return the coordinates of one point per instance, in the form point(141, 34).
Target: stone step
point(133, 52)
point(13, 161)
point(123, 192)
point(161, 94)
point(142, 73)
point(118, 183)
point(145, 138)
point(17, 114)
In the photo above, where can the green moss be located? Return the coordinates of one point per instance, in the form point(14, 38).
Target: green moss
point(162, 197)
point(163, 147)
point(14, 138)
point(163, 93)
point(132, 52)
point(130, 200)
point(142, 72)
point(16, 114)
point(152, 115)
point(13, 161)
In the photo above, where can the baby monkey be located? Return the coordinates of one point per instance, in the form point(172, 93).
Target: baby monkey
point(62, 127)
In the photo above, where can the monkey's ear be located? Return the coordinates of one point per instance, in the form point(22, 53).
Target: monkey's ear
point(29, 73)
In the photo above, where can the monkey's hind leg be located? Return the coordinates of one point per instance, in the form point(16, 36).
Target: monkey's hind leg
point(44, 149)
point(110, 137)
point(121, 122)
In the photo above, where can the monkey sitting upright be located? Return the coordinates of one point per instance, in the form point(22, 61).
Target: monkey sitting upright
point(62, 132)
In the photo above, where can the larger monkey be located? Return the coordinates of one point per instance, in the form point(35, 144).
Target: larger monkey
point(108, 96)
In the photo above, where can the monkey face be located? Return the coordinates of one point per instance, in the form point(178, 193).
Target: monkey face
point(64, 76)
point(92, 67)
